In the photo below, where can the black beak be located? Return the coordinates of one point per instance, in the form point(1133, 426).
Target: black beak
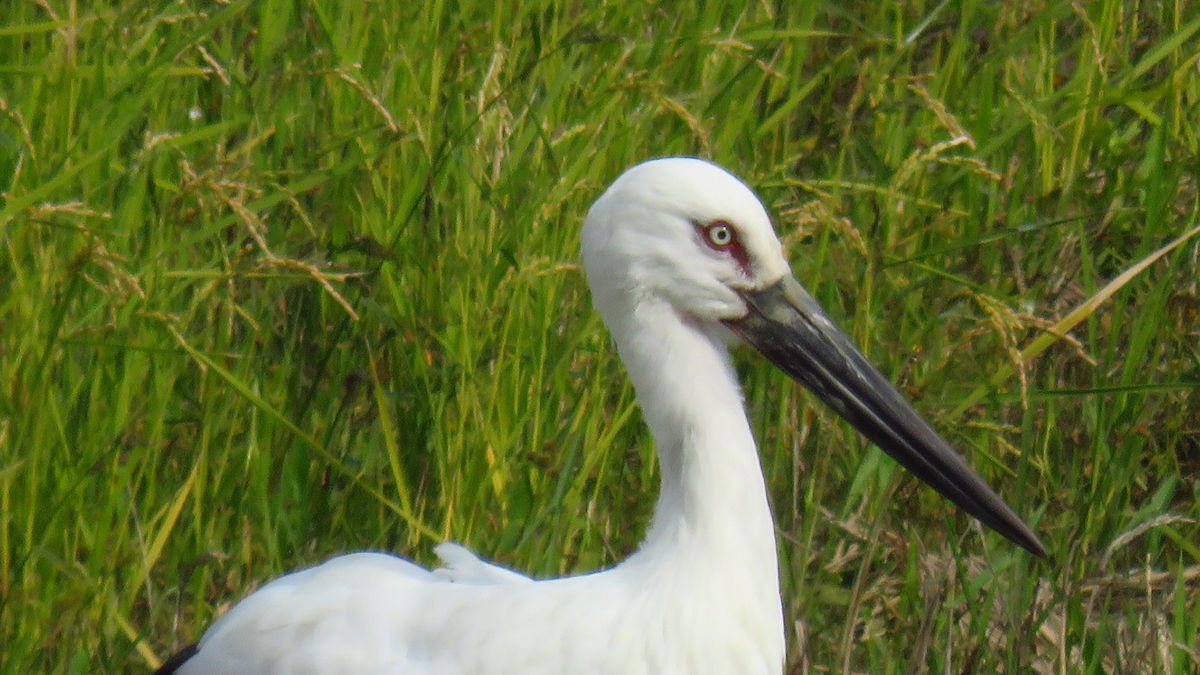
point(788, 327)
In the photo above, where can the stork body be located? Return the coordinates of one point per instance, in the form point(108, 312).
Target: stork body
point(682, 259)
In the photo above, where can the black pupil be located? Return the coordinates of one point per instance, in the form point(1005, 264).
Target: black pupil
point(720, 234)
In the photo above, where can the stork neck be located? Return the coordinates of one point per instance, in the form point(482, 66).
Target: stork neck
point(713, 504)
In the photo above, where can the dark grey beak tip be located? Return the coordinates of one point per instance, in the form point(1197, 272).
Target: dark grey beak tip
point(1038, 550)
point(1033, 544)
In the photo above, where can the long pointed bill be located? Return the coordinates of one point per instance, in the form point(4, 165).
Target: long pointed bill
point(787, 326)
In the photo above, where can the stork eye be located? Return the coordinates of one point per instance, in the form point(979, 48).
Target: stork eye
point(720, 234)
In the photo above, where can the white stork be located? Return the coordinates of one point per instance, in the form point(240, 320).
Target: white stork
point(682, 261)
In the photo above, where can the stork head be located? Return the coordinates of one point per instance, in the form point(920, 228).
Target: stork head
point(684, 231)
point(689, 234)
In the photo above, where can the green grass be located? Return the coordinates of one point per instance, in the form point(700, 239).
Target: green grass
point(285, 279)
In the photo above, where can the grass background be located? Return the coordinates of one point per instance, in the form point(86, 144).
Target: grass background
point(287, 278)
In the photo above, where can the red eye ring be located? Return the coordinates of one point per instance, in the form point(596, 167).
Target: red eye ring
point(720, 234)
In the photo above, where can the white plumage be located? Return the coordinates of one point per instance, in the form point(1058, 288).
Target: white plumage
point(682, 259)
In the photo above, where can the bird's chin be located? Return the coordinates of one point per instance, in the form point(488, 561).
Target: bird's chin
point(726, 335)
point(717, 321)
point(717, 327)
